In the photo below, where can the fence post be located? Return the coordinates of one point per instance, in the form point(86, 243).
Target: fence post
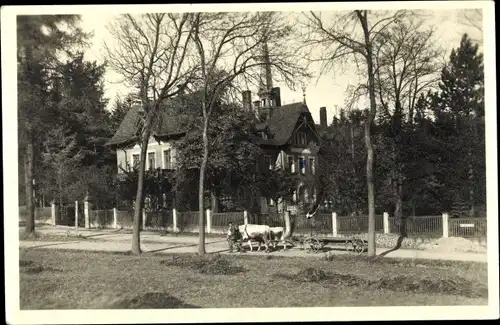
point(143, 219)
point(209, 221)
point(53, 213)
point(86, 211)
point(76, 216)
point(445, 225)
point(387, 230)
point(288, 226)
point(174, 220)
point(334, 224)
point(245, 217)
point(115, 218)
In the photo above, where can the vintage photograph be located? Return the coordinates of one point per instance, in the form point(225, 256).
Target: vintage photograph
point(200, 157)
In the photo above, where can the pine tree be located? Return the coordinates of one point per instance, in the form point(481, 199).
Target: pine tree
point(460, 112)
point(40, 39)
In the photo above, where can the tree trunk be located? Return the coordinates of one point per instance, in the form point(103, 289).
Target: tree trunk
point(472, 210)
point(28, 181)
point(355, 203)
point(201, 193)
point(59, 184)
point(398, 189)
point(139, 199)
point(362, 15)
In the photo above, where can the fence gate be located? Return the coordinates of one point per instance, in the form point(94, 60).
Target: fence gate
point(66, 215)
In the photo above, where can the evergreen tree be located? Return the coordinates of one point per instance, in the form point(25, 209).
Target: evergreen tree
point(40, 39)
point(342, 163)
point(460, 116)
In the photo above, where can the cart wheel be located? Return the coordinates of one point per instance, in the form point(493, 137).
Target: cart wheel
point(359, 246)
point(316, 245)
point(308, 245)
point(349, 245)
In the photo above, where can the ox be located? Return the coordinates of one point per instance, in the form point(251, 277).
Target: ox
point(259, 233)
point(278, 235)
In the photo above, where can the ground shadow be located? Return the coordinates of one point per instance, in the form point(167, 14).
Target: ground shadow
point(109, 233)
point(172, 247)
point(53, 244)
point(152, 300)
point(402, 236)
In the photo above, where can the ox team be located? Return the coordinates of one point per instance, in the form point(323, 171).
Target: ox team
point(259, 233)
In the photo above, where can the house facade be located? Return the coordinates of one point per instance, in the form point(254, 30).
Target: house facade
point(288, 137)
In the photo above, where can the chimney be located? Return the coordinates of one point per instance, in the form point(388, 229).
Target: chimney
point(256, 104)
point(181, 89)
point(247, 100)
point(322, 117)
point(277, 96)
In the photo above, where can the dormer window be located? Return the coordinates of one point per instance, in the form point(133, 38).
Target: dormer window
point(303, 138)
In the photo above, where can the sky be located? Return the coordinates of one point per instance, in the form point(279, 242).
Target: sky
point(327, 90)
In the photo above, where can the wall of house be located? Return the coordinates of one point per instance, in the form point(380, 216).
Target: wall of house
point(125, 156)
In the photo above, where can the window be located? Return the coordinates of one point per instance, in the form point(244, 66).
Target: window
point(302, 165)
point(301, 194)
point(267, 162)
point(291, 164)
point(135, 161)
point(314, 194)
point(294, 196)
point(306, 195)
point(167, 159)
point(151, 160)
point(301, 138)
point(270, 202)
point(311, 165)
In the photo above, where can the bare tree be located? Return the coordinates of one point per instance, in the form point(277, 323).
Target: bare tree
point(472, 18)
point(407, 65)
point(349, 38)
point(232, 48)
point(151, 53)
point(407, 61)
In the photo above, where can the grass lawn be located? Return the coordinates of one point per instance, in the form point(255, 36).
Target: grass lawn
point(53, 279)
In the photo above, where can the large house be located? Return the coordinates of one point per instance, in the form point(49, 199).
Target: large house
point(288, 136)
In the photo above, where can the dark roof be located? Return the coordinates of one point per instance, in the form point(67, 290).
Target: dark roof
point(281, 124)
point(174, 121)
point(283, 121)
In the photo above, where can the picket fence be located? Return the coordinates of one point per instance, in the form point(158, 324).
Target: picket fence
point(431, 226)
point(320, 224)
point(42, 215)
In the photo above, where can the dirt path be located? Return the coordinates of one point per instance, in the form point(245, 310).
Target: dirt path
point(118, 241)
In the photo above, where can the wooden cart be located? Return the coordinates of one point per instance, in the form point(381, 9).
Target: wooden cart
point(315, 244)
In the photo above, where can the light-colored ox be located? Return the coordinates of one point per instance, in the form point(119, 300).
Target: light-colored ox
point(278, 235)
point(259, 233)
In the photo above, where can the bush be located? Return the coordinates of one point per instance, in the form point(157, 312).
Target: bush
point(30, 267)
point(391, 240)
point(213, 265)
point(456, 286)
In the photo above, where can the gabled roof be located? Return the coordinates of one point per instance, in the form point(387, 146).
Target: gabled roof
point(283, 121)
point(175, 120)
